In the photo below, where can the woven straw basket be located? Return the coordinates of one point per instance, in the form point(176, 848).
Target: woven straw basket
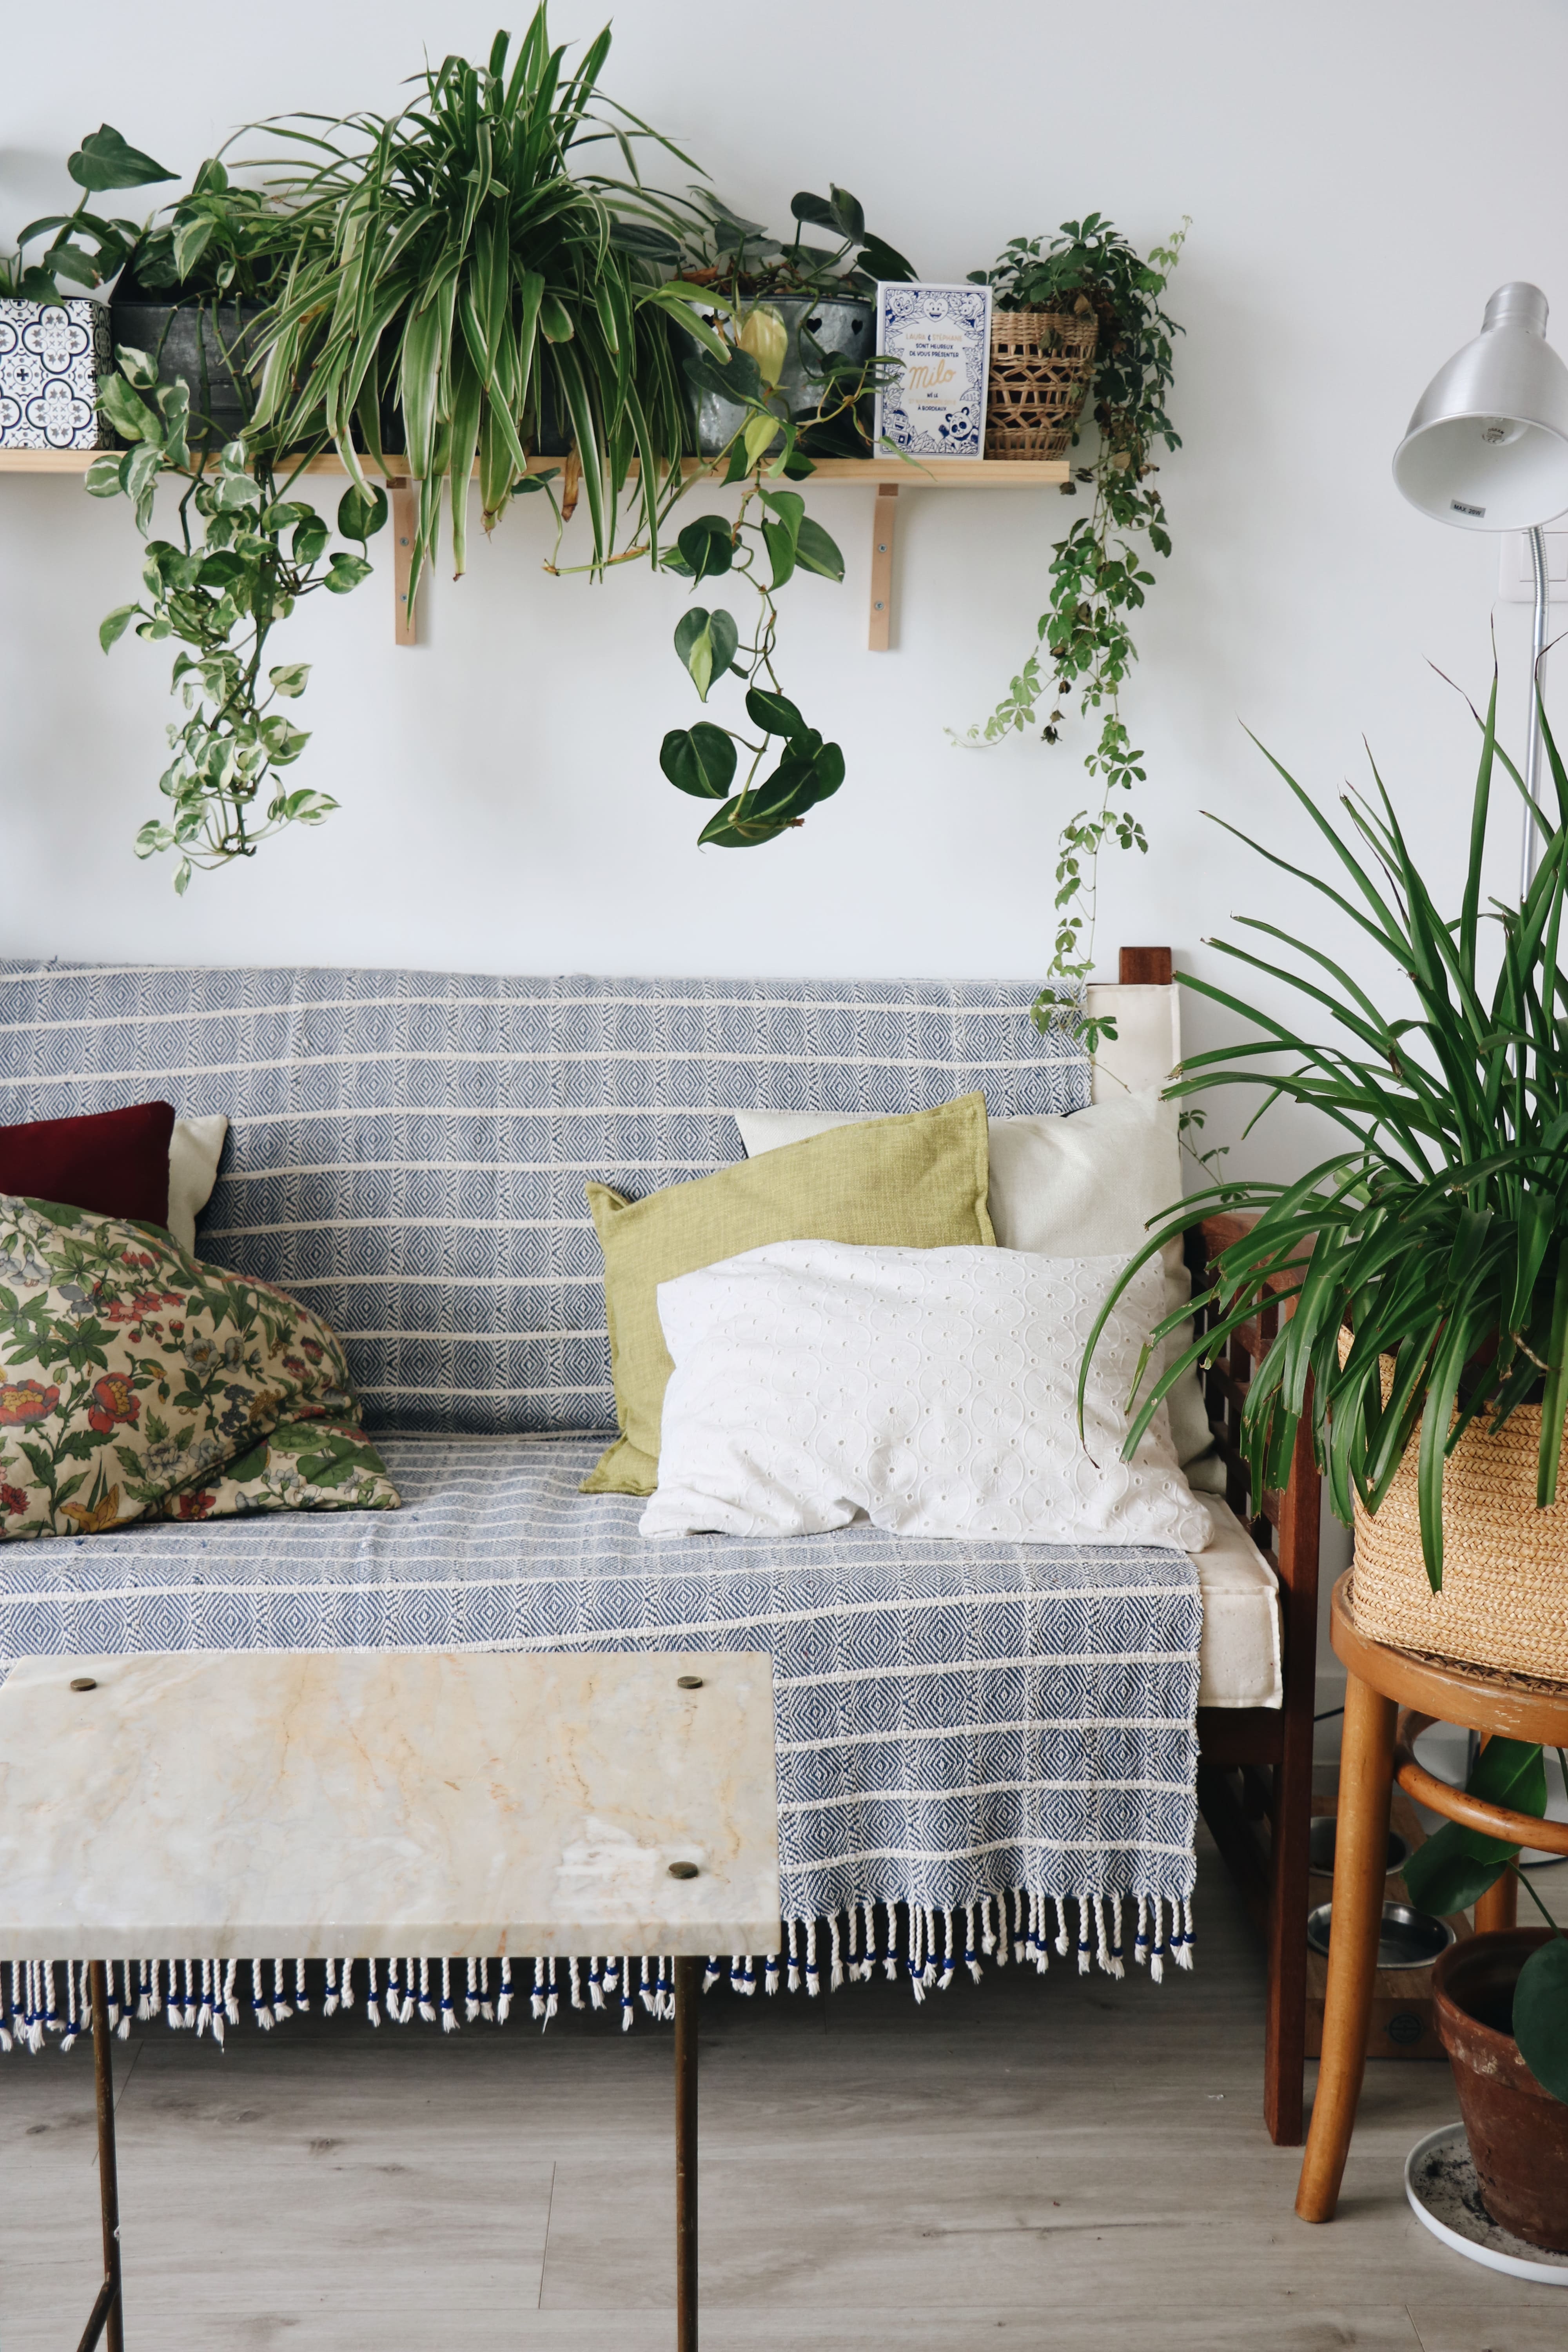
point(1504, 1602)
point(1041, 362)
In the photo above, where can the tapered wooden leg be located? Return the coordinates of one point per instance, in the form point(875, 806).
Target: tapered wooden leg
point(1499, 1906)
point(688, 2000)
point(1360, 1853)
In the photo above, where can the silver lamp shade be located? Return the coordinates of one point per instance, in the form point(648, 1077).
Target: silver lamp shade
point(1487, 448)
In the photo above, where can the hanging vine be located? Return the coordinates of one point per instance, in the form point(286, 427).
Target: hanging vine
point(1100, 571)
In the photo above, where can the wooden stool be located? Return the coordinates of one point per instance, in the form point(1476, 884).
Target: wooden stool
point(1390, 1699)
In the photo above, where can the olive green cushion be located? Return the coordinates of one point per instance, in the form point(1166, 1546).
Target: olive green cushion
point(916, 1182)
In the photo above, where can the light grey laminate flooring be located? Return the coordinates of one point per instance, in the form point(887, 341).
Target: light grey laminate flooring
point(1035, 2163)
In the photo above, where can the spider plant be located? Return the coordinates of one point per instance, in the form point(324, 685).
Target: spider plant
point(1439, 1236)
point(468, 262)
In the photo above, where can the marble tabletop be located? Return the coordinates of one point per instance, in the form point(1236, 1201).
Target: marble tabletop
point(343, 1803)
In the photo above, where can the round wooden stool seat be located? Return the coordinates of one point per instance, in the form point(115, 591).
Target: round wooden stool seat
point(1390, 1696)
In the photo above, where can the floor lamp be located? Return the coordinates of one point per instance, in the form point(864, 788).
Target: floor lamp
point(1487, 449)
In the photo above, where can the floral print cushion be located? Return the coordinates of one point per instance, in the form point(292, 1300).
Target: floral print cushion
point(137, 1383)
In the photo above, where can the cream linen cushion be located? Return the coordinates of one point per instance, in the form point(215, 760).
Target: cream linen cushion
point(195, 1147)
point(1083, 1186)
point(930, 1390)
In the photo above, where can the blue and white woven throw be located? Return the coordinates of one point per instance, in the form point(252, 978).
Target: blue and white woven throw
point(983, 1748)
point(407, 1150)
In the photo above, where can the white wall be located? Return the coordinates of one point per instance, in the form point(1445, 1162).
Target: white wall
point(1359, 178)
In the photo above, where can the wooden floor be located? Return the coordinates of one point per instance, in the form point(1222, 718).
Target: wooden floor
point(1036, 2163)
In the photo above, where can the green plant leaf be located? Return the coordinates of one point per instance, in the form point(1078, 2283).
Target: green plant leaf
point(733, 828)
point(816, 551)
point(1449, 1874)
point(105, 160)
point(706, 643)
point(105, 478)
point(310, 541)
point(1510, 1772)
point(775, 713)
point(1540, 2016)
point(879, 261)
point(112, 627)
point(700, 760)
point(815, 209)
point(780, 543)
point(706, 547)
point(289, 679)
point(848, 217)
point(345, 572)
point(131, 417)
point(360, 517)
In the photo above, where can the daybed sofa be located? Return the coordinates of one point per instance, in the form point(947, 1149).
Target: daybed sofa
point(408, 1153)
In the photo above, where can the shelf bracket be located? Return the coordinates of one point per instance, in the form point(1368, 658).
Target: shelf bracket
point(405, 630)
point(886, 507)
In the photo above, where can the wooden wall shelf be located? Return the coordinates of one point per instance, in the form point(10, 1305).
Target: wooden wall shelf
point(887, 476)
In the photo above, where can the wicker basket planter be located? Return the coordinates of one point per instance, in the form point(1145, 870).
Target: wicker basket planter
point(1504, 1602)
point(1041, 362)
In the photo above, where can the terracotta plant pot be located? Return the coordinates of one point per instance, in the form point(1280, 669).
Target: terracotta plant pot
point(1518, 2132)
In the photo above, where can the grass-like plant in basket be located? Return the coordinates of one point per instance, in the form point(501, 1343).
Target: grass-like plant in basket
point(1421, 1268)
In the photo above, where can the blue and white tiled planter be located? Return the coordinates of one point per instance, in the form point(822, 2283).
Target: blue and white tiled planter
point(51, 357)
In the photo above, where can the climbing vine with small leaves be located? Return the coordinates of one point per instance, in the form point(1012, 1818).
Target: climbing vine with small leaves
point(1100, 574)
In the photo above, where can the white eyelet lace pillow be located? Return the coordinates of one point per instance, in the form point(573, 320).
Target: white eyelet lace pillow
point(931, 1391)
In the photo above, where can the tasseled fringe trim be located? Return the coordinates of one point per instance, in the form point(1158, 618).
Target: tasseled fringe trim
point(45, 2000)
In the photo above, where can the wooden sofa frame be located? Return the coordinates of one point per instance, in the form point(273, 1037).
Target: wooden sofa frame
point(1255, 1764)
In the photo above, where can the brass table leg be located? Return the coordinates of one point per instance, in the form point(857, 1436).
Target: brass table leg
point(688, 1994)
point(106, 2317)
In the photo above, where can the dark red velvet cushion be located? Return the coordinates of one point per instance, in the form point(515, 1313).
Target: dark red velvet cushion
point(116, 1161)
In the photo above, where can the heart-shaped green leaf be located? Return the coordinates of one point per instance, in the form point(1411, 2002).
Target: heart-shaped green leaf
point(114, 625)
point(345, 572)
point(815, 209)
point(775, 713)
point(105, 160)
point(707, 546)
point(1540, 2016)
point(131, 417)
point(289, 679)
point(881, 261)
point(694, 643)
point(780, 543)
point(847, 216)
point(310, 539)
point(1448, 1874)
point(729, 830)
point(737, 379)
point(816, 551)
point(105, 478)
point(137, 367)
point(360, 517)
point(699, 760)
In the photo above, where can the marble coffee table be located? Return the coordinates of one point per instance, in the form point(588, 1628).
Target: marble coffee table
point(355, 1804)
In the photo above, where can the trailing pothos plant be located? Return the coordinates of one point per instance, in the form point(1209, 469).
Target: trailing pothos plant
point(86, 249)
point(248, 550)
point(770, 539)
point(1099, 570)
